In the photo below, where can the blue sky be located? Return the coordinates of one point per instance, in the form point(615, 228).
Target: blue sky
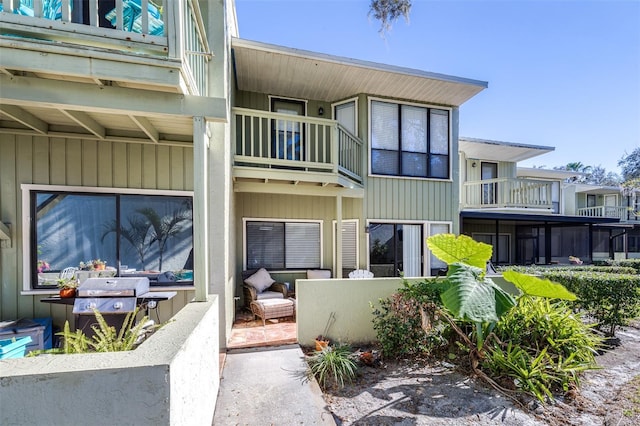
point(560, 73)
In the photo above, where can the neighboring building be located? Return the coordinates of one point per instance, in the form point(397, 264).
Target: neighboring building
point(540, 216)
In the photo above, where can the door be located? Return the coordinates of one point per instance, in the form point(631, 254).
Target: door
point(395, 249)
point(610, 206)
point(489, 190)
point(287, 135)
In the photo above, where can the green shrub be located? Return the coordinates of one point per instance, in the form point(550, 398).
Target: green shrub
point(539, 269)
point(332, 366)
point(612, 299)
point(548, 345)
point(399, 324)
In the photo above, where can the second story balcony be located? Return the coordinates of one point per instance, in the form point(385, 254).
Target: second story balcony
point(622, 213)
point(296, 149)
point(156, 45)
point(508, 193)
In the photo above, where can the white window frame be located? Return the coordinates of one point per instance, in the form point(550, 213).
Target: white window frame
point(335, 246)
point(426, 233)
point(26, 218)
point(371, 99)
point(285, 98)
point(346, 101)
point(280, 220)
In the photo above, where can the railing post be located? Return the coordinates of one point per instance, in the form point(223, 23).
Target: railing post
point(335, 148)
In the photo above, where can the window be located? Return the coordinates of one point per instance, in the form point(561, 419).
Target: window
point(501, 250)
point(132, 233)
point(489, 171)
point(346, 114)
point(436, 265)
point(282, 245)
point(349, 245)
point(408, 140)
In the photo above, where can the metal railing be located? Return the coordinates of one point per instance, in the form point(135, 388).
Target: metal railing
point(173, 30)
point(507, 192)
point(267, 139)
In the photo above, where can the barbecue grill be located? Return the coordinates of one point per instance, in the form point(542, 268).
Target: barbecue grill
point(113, 297)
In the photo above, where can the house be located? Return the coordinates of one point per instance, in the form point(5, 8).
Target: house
point(540, 216)
point(172, 112)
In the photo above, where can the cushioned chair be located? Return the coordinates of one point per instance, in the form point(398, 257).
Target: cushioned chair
point(318, 274)
point(258, 285)
point(360, 273)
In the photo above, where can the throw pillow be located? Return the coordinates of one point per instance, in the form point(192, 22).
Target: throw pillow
point(261, 280)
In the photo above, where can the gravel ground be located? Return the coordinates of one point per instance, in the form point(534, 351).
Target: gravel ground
point(404, 393)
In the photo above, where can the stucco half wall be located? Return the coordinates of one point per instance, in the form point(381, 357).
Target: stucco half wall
point(171, 379)
point(346, 303)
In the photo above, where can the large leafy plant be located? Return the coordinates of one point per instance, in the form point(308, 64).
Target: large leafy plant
point(469, 295)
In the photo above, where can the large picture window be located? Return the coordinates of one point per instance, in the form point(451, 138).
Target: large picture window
point(135, 235)
point(279, 245)
point(409, 140)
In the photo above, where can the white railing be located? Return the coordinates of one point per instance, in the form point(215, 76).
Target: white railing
point(615, 212)
point(174, 30)
point(267, 139)
point(505, 192)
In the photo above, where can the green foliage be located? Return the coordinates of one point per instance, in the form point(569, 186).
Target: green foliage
point(332, 366)
point(548, 345)
point(538, 269)
point(462, 249)
point(105, 338)
point(400, 326)
point(388, 11)
point(534, 286)
point(611, 299)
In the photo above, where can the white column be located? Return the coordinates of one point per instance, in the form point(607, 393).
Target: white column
point(338, 264)
point(200, 209)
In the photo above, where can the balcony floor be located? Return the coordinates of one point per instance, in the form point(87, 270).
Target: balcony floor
point(250, 333)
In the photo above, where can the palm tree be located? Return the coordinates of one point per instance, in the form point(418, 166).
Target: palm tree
point(135, 234)
point(163, 228)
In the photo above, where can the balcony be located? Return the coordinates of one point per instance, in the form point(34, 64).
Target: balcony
point(621, 213)
point(507, 193)
point(295, 149)
point(137, 43)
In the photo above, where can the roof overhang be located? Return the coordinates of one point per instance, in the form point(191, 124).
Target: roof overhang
point(267, 68)
point(532, 172)
point(483, 149)
point(537, 218)
point(597, 189)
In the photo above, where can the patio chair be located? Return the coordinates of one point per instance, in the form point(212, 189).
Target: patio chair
point(360, 274)
point(132, 17)
point(258, 285)
point(67, 273)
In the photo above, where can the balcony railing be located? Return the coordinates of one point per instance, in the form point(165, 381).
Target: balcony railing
point(614, 212)
point(507, 193)
point(272, 140)
point(138, 26)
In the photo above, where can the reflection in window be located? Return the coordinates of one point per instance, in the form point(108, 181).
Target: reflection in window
point(133, 234)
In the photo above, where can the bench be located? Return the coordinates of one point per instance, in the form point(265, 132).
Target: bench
point(273, 308)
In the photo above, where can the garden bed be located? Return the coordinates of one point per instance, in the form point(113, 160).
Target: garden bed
point(417, 392)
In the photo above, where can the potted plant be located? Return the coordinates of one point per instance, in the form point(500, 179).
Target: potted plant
point(67, 287)
point(93, 265)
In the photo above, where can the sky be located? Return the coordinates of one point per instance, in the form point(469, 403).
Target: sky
point(564, 73)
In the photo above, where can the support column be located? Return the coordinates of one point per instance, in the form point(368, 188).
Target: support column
point(200, 209)
point(338, 264)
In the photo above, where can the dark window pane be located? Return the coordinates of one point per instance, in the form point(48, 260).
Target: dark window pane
point(414, 164)
point(265, 245)
point(384, 162)
point(439, 166)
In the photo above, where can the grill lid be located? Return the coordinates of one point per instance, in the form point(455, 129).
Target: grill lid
point(113, 287)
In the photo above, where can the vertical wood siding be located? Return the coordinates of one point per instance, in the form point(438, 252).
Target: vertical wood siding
point(72, 162)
